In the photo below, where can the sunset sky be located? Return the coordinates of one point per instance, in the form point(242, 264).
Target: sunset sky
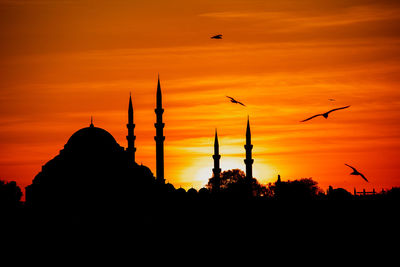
point(64, 61)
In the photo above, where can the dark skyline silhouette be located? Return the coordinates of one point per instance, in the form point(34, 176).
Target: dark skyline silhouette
point(94, 168)
point(275, 61)
point(95, 186)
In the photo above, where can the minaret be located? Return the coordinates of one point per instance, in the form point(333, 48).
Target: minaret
point(131, 137)
point(248, 161)
point(278, 184)
point(216, 169)
point(159, 136)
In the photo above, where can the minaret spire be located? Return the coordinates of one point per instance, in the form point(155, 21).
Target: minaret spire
point(91, 121)
point(131, 137)
point(159, 138)
point(159, 96)
point(248, 161)
point(216, 169)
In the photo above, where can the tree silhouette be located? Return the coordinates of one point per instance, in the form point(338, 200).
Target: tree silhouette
point(10, 194)
point(234, 182)
point(393, 194)
point(303, 189)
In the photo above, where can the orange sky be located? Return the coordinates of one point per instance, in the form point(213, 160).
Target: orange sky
point(63, 61)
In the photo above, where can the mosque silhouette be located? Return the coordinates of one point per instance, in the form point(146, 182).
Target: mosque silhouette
point(94, 170)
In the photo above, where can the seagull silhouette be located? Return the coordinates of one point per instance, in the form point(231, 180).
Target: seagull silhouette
point(235, 101)
point(355, 172)
point(218, 36)
point(325, 115)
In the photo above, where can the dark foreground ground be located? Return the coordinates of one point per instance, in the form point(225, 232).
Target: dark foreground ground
point(255, 229)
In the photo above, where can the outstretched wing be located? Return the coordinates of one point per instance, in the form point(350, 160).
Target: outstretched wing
point(362, 175)
point(337, 109)
point(311, 117)
point(354, 169)
point(240, 103)
point(230, 97)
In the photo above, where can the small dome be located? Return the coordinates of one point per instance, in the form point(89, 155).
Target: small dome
point(92, 138)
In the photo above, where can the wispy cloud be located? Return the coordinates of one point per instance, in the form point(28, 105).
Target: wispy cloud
point(296, 19)
point(35, 2)
point(240, 14)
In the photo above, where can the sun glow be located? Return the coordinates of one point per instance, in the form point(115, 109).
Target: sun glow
point(201, 170)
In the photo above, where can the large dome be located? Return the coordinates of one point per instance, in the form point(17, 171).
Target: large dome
point(92, 138)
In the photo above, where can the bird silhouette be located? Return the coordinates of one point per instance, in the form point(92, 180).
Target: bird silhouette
point(325, 115)
point(331, 99)
point(218, 36)
point(235, 101)
point(355, 172)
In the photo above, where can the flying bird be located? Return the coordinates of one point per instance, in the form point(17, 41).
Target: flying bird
point(355, 172)
point(235, 101)
point(325, 115)
point(331, 99)
point(218, 36)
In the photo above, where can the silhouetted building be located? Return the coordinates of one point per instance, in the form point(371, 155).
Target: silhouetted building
point(277, 189)
point(131, 136)
point(248, 161)
point(159, 138)
point(92, 169)
point(216, 169)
